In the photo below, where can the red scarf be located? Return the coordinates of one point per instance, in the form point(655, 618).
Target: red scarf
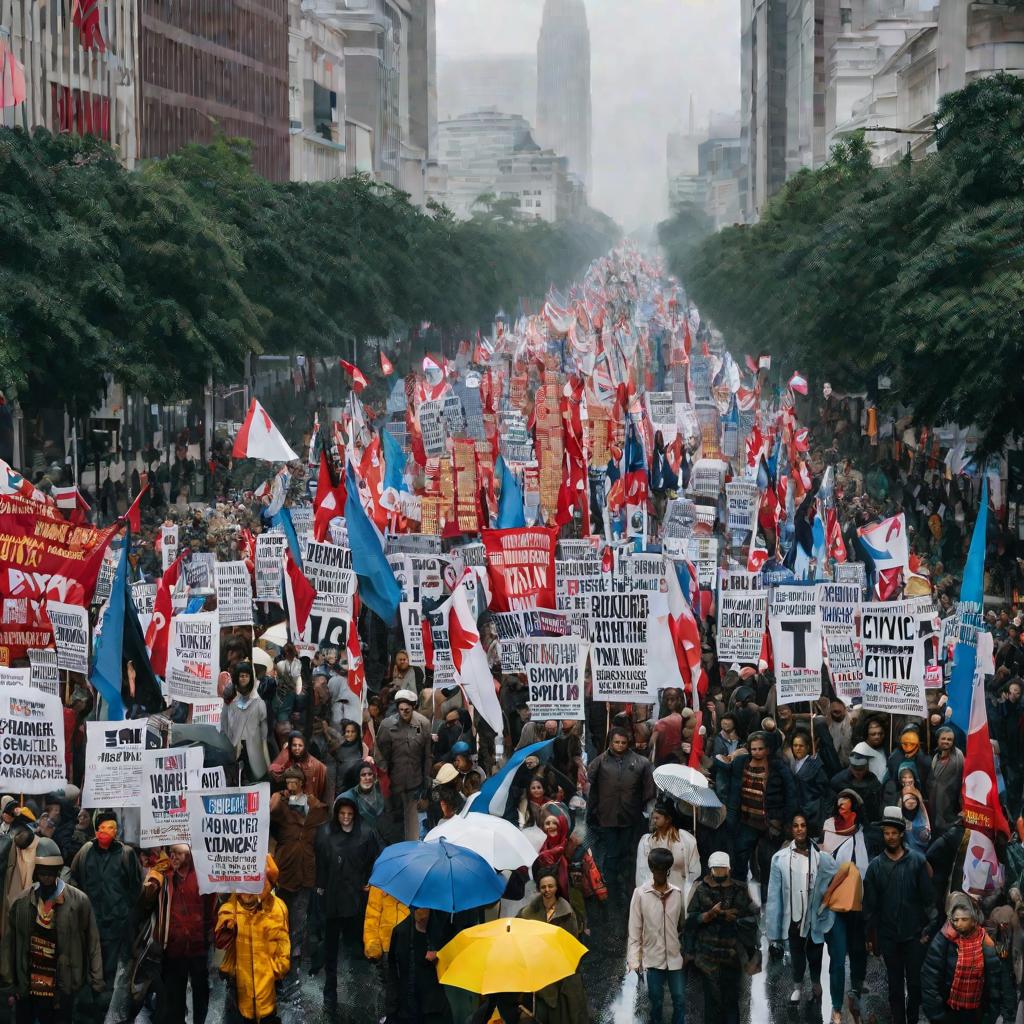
point(552, 854)
point(846, 824)
point(968, 987)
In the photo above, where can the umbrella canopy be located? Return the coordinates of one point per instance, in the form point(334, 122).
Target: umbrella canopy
point(276, 635)
point(686, 784)
point(509, 955)
point(262, 657)
point(498, 841)
point(441, 876)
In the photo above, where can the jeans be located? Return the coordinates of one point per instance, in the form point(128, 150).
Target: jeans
point(803, 952)
point(177, 972)
point(846, 938)
point(614, 849)
point(903, 962)
point(722, 996)
point(657, 978)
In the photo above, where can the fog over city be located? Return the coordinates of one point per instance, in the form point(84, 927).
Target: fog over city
point(646, 57)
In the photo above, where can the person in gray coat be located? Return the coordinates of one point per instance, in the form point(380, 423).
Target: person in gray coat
point(403, 750)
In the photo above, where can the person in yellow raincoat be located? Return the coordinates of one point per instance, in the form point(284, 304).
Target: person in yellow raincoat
point(253, 932)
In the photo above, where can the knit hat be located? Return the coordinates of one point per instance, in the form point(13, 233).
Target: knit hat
point(462, 747)
point(48, 854)
point(101, 816)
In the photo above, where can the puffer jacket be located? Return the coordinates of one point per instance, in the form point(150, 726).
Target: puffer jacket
point(258, 952)
point(403, 751)
point(344, 861)
point(619, 789)
point(383, 914)
point(296, 841)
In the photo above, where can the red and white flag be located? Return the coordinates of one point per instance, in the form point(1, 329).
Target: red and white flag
point(684, 632)
point(471, 668)
point(798, 383)
point(300, 595)
point(354, 650)
point(329, 502)
point(134, 514)
point(356, 375)
point(12, 78)
point(260, 439)
point(386, 366)
point(159, 630)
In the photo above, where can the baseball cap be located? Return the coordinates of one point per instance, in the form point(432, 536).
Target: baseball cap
point(719, 859)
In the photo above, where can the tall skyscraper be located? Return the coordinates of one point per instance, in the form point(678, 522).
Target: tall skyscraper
point(563, 83)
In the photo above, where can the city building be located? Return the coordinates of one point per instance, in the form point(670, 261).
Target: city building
point(215, 67)
point(473, 83)
point(563, 84)
point(705, 168)
point(75, 81)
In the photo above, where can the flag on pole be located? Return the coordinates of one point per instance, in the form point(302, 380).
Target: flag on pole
point(134, 514)
point(159, 630)
point(260, 439)
point(354, 650)
point(377, 584)
point(356, 375)
point(798, 383)
point(85, 16)
point(684, 632)
point(329, 502)
point(468, 656)
point(385, 365)
point(299, 595)
point(12, 78)
point(494, 793)
point(106, 662)
point(511, 515)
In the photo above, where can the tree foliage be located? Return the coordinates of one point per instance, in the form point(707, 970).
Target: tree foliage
point(912, 270)
point(165, 275)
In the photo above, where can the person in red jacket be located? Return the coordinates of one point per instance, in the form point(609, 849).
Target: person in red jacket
point(295, 753)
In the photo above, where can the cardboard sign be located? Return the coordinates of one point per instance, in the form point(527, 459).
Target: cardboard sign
point(113, 756)
point(234, 594)
point(169, 546)
point(31, 740)
point(193, 656)
point(165, 783)
point(741, 502)
point(795, 628)
point(618, 656)
point(432, 428)
point(269, 566)
point(71, 635)
point(229, 832)
point(742, 617)
point(329, 569)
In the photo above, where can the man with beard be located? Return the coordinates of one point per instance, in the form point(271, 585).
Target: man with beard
point(244, 722)
point(295, 755)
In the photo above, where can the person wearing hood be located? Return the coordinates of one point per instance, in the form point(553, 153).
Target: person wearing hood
point(296, 755)
point(872, 745)
point(364, 789)
point(843, 833)
point(109, 873)
point(295, 817)
point(456, 728)
point(244, 722)
point(252, 929)
point(910, 750)
point(840, 728)
point(471, 776)
point(813, 794)
point(946, 780)
point(665, 834)
point(859, 778)
point(346, 849)
point(919, 829)
point(51, 947)
point(720, 937)
point(795, 910)
point(17, 860)
point(345, 749)
point(963, 980)
point(62, 812)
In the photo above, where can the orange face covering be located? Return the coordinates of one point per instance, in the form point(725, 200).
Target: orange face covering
point(910, 743)
point(106, 833)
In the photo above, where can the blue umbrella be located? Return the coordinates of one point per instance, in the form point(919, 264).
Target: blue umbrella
point(441, 876)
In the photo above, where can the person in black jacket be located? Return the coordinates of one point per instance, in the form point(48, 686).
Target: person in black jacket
point(414, 995)
point(898, 916)
point(859, 778)
point(346, 849)
point(813, 794)
point(963, 942)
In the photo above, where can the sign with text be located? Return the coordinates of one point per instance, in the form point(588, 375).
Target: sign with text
point(31, 740)
point(234, 594)
point(229, 832)
point(521, 567)
point(269, 554)
point(165, 783)
point(893, 666)
point(795, 628)
point(193, 655)
point(113, 758)
point(554, 669)
point(742, 617)
point(71, 635)
point(618, 655)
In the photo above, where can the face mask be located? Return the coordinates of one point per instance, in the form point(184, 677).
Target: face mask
point(909, 744)
point(105, 834)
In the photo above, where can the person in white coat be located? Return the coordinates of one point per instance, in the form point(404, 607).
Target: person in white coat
point(800, 874)
point(665, 835)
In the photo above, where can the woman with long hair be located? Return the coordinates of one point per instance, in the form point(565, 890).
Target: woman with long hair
point(665, 834)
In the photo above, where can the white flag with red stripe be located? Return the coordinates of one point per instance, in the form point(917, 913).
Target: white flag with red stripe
point(471, 668)
point(354, 650)
point(299, 594)
point(260, 439)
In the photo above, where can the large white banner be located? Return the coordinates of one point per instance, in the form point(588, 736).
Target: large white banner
point(113, 763)
point(165, 783)
point(618, 656)
point(193, 656)
point(554, 669)
point(229, 830)
point(795, 628)
point(31, 740)
point(71, 634)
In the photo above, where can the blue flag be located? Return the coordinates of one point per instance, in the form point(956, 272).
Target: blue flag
point(107, 651)
point(377, 584)
point(394, 462)
point(965, 654)
point(282, 519)
point(510, 503)
point(493, 795)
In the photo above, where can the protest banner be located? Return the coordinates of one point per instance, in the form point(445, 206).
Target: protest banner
point(703, 553)
point(234, 594)
point(618, 655)
point(71, 635)
point(207, 778)
point(15, 676)
point(269, 554)
point(412, 631)
point(515, 439)
point(329, 569)
point(521, 567)
point(193, 655)
point(893, 666)
point(680, 519)
point(405, 577)
point(741, 501)
point(742, 614)
point(168, 546)
point(414, 544)
point(662, 412)
point(164, 804)
point(229, 832)
point(339, 532)
point(302, 521)
point(642, 572)
point(31, 740)
point(706, 478)
point(44, 674)
point(113, 763)
point(206, 712)
point(795, 628)
point(585, 550)
point(845, 667)
point(144, 597)
point(432, 428)
point(198, 571)
point(554, 669)
point(839, 604)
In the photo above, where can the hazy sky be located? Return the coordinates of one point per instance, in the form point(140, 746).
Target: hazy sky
point(647, 56)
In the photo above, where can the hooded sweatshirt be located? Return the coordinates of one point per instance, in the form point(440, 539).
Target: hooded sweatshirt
point(344, 861)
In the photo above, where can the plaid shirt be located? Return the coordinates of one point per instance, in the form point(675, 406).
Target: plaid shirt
point(968, 988)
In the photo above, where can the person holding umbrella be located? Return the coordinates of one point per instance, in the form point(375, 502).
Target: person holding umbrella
point(414, 995)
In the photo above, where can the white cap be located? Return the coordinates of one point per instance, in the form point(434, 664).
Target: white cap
point(406, 695)
point(719, 860)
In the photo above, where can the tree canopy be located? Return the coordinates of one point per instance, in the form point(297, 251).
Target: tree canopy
point(912, 271)
point(164, 275)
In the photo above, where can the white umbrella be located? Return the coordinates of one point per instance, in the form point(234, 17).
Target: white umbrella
point(498, 841)
point(686, 784)
point(276, 635)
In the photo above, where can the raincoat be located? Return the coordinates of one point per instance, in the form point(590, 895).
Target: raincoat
point(383, 914)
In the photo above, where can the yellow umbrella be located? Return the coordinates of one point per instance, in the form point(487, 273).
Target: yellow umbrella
point(509, 955)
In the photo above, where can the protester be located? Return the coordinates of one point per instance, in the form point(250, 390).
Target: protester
point(413, 993)
point(244, 722)
point(296, 755)
point(665, 834)
point(367, 794)
point(403, 750)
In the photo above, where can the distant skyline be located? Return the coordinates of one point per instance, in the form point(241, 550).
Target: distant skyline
point(647, 57)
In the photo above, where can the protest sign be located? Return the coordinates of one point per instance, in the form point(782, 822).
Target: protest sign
point(45, 675)
point(795, 628)
point(642, 572)
point(414, 544)
point(229, 832)
point(845, 667)
point(206, 712)
point(851, 572)
point(585, 550)
point(521, 567)
point(706, 478)
point(662, 412)
point(198, 571)
point(618, 657)
point(269, 554)
point(193, 656)
point(31, 740)
point(405, 577)
point(515, 439)
point(329, 569)
point(741, 501)
point(703, 553)
point(15, 676)
point(71, 635)
point(302, 520)
point(144, 597)
point(432, 428)
point(444, 667)
point(234, 594)
point(113, 763)
point(207, 778)
point(554, 676)
point(168, 546)
point(105, 578)
point(412, 630)
point(893, 666)
point(839, 604)
point(742, 613)
point(680, 519)
point(165, 779)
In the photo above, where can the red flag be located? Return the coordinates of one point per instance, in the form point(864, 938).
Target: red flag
point(134, 514)
point(300, 595)
point(329, 502)
point(981, 808)
point(85, 15)
point(159, 629)
point(385, 365)
point(697, 743)
point(358, 380)
point(12, 78)
point(356, 668)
